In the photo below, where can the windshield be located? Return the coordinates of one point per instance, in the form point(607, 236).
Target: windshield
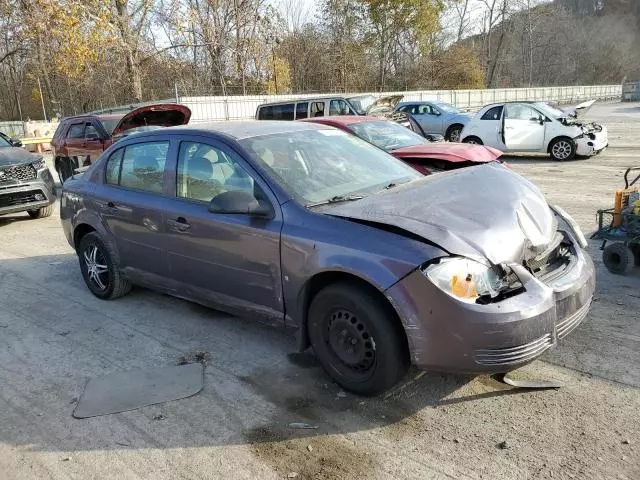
point(447, 108)
point(4, 142)
point(387, 135)
point(362, 103)
point(317, 165)
point(548, 110)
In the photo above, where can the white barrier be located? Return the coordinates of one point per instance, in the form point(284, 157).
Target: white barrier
point(239, 107)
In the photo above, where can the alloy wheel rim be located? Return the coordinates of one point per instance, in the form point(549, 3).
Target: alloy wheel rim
point(455, 135)
point(562, 149)
point(350, 341)
point(97, 269)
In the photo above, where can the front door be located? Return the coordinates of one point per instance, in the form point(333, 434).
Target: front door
point(93, 144)
point(74, 139)
point(429, 118)
point(131, 204)
point(232, 260)
point(523, 128)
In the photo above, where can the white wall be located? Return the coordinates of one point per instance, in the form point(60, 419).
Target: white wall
point(238, 107)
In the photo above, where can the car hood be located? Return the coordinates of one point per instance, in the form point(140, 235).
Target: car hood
point(10, 156)
point(486, 212)
point(451, 152)
point(579, 110)
point(384, 104)
point(162, 114)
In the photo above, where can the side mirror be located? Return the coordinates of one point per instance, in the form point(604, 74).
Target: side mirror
point(92, 136)
point(16, 142)
point(239, 202)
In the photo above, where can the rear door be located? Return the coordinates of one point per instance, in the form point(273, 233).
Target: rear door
point(231, 260)
point(131, 203)
point(524, 128)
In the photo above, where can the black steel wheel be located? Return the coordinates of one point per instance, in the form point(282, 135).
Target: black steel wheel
point(618, 258)
point(357, 338)
point(99, 270)
point(472, 140)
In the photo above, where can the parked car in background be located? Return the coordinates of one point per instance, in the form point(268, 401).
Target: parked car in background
point(81, 139)
point(422, 155)
point(536, 127)
point(437, 118)
point(327, 106)
point(14, 142)
point(26, 185)
point(306, 226)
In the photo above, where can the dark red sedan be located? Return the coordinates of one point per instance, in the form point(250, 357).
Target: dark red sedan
point(424, 156)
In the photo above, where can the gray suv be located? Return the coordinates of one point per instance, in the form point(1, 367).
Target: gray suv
point(305, 226)
point(26, 185)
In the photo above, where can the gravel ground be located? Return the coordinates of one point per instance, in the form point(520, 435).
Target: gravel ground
point(55, 336)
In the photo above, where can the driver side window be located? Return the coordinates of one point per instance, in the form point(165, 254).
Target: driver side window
point(517, 111)
point(205, 171)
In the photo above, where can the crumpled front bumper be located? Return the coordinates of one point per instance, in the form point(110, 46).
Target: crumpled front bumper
point(587, 146)
point(20, 196)
point(445, 334)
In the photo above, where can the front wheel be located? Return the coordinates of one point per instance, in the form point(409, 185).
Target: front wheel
point(562, 149)
point(99, 270)
point(472, 140)
point(357, 338)
point(41, 212)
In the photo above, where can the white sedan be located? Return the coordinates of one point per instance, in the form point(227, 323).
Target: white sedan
point(536, 127)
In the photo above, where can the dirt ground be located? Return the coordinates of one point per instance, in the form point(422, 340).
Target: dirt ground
point(55, 336)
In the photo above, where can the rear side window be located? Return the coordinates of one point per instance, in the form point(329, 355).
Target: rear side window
point(143, 166)
point(302, 110)
point(265, 113)
point(277, 112)
point(112, 174)
point(494, 113)
point(317, 109)
point(76, 131)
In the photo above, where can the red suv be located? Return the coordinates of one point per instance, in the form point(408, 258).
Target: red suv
point(80, 140)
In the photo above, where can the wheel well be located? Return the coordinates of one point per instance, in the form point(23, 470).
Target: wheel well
point(472, 136)
point(558, 138)
point(455, 125)
point(79, 232)
point(321, 280)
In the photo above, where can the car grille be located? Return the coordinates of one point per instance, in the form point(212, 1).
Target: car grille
point(20, 198)
point(519, 354)
point(572, 321)
point(19, 172)
point(553, 261)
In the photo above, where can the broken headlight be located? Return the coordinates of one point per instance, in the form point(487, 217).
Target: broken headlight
point(468, 280)
point(572, 224)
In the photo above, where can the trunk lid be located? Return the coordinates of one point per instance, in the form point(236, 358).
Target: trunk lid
point(160, 115)
point(482, 212)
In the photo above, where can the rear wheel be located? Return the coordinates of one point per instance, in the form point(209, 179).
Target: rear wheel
point(562, 149)
point(357, 338)
point(41, 212)
point(473, 140)
point(453, 133)
point(99, 270)
point(618, 258)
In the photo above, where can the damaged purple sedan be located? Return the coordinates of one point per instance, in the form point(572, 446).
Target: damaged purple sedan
point(302, 225)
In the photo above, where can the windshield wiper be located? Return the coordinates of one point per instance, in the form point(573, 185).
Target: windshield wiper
point(335, 199)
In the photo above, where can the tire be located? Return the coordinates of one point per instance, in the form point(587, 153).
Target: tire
point(107, 282)
point(618, 258)
point(453, 133)
point(41, 212)
point(64, 168)
point(473, 140)
point(562, 149)
point(357, 338)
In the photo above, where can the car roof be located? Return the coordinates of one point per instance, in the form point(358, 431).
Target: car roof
point(342, 119)
point(88, 116)
point(307, 99)
point(238, 130)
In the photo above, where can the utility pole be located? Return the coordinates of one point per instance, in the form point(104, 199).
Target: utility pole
point(239, 50)
point(44, 112)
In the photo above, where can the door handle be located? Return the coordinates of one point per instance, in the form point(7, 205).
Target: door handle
point(108, 206)
point(179, 224)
